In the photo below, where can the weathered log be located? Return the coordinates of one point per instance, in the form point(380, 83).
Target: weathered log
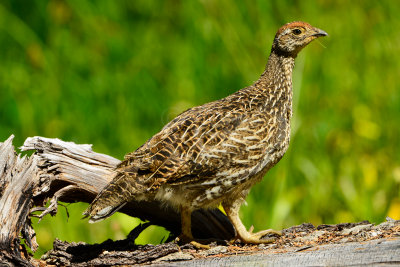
point(346, 244)
point(373, 253)
point(64, 171)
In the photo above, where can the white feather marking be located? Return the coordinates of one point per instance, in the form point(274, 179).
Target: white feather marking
point(236, 140)
point(252, 138)
point(240, 161)
point(252, 147)
point(242, 129)
point(213, 181)
point(207, 155)
point(258, 156)
point(257, 121)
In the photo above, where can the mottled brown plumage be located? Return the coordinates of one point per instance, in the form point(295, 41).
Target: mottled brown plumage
point(214, 153)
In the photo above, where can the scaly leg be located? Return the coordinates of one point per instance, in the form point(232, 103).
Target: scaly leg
point(186, 221)
point(232, 211)
point(186, 235)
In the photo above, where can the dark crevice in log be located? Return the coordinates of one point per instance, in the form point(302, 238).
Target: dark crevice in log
point(108, 252)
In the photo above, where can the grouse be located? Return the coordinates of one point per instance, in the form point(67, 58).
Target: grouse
point(213, 154)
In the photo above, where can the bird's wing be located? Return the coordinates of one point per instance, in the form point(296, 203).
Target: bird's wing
point(201, 144)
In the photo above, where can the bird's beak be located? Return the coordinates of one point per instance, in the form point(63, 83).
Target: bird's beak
point(319, 33)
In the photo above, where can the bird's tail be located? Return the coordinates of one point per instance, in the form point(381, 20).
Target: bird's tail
point(113, 197)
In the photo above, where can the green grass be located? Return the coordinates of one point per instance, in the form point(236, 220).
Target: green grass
point(112, 73)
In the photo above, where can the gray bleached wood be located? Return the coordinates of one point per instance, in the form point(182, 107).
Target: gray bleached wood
point(17, 181)
point(372, 253)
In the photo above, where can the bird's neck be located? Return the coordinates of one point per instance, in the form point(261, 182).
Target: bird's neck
point(276, 82)
point(278, 73)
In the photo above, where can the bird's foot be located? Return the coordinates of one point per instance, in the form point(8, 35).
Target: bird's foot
point(199, 245)
point(257, 238)
point(182, 239)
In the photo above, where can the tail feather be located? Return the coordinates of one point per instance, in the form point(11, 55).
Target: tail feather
point(112, 198)
point(104, 213)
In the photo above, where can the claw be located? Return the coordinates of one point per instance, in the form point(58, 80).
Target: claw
point(251, 229)
point(257, 238)
point(199, 245)
point(184, 240)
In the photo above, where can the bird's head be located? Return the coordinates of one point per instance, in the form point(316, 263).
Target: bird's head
point(294, 36)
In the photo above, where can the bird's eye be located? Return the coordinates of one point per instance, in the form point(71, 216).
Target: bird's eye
point(296, 31)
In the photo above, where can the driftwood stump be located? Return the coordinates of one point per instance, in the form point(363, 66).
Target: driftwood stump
point(64, 171)
point(18, 180)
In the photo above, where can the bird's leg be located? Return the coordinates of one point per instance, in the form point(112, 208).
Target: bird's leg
point(232, 211)
point(186, 234)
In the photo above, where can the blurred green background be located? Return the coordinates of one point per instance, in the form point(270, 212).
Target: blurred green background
point(112, 73)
